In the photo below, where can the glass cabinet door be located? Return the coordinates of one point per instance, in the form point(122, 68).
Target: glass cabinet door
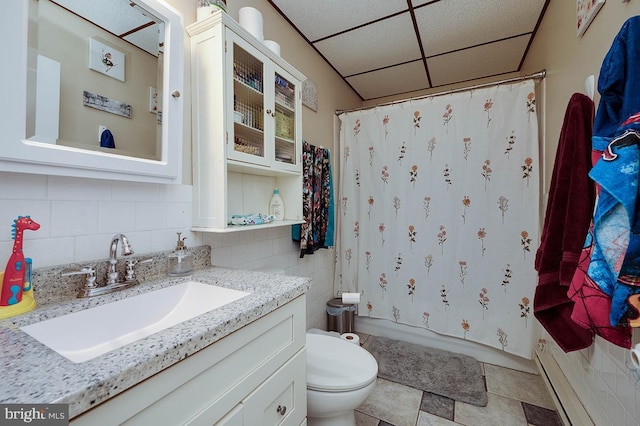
point(248, 107)
point(285, 121)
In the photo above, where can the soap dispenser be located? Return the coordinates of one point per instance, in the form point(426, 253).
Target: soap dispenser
point(180, 261)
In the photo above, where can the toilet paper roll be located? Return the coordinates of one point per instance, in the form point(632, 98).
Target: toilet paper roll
point(635, 356)
point(351, 337)
point(350, 297)
point(273, 46)
point(251, 20)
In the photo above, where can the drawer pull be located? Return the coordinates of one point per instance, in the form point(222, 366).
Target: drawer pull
point(281, 409)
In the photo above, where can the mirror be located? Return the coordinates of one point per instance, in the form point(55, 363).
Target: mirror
point(98, 89)
point(91, 69)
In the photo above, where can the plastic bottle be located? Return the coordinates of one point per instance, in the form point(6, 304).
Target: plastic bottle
point(276, 205)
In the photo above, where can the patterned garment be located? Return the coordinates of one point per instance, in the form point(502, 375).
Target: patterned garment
point(615, 261)
point(316, 199)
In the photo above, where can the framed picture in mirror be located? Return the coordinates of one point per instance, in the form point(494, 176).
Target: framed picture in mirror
point(106, 60)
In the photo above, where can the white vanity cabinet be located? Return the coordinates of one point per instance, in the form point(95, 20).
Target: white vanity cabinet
point(254, 376)
point(247, 126)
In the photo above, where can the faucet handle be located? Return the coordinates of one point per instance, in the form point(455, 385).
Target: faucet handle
point(88, 270)
point(129, 264)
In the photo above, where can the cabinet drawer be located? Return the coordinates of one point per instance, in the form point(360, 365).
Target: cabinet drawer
point(282, 399)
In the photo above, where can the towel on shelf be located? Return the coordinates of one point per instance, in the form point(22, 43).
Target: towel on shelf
point(250, 219)
point(567, 219)
point(317, 201)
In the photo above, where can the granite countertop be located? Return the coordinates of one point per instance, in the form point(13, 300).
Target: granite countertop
point(34, 374)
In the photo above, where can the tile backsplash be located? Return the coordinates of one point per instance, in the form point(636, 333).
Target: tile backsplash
point(78, 217)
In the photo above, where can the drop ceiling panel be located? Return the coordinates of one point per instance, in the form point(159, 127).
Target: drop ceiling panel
point(390, 81)
point(388, 42)
point(456, 24)
point(318, 19)
point(367, 42)
point(477, 62)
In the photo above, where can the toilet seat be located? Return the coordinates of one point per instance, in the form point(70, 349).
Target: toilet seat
point(335, 365)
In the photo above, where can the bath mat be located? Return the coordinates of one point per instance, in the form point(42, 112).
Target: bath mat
point(445, 373)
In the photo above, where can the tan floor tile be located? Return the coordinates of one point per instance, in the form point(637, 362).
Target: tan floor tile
point(426, 419)
point(499, 411)
point(365, 420)
point(394, 403)
point(517, 385)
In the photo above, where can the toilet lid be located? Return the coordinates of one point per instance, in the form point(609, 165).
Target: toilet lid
point(335, 365)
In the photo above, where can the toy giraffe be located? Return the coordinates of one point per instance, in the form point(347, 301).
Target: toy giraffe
point(14, 274)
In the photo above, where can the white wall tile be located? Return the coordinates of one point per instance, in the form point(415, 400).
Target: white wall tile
point(135, 191)
point(150, 216)
point(67, 188)
point(74, 218)
point(179, 215)
point(14, 186)
point(116, 217)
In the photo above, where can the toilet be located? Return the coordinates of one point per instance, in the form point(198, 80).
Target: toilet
point(340, 376)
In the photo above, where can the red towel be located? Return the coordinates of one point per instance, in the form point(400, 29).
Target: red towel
point(567, 219)
point(592, 306)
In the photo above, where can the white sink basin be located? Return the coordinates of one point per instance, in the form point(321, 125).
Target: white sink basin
point(86, 334)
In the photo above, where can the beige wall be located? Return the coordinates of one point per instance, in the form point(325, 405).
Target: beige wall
point(569, 59)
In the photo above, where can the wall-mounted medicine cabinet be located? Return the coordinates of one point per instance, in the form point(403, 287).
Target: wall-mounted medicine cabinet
point(72, 69)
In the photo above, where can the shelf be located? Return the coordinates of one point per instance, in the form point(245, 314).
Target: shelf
point(284, 106)
point(239, 228)
point(256, 169)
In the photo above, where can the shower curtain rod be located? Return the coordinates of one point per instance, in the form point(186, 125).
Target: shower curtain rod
point(536, 76)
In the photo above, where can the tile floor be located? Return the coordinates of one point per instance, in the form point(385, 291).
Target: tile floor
point(515, 398)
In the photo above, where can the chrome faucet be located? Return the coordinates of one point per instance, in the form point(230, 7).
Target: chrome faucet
point(112, 274)
point(92, 287)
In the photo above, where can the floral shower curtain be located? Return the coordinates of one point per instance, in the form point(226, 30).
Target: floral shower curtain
point(438, 213)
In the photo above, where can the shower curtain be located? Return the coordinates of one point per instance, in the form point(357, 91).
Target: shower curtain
point(438, 213)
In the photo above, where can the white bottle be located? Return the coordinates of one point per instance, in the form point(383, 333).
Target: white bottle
point(276, 205)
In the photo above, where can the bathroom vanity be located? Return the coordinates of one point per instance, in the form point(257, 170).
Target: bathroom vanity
point(242, 363)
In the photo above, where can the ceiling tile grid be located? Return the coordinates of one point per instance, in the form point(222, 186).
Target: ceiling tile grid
point(389, 47)
point(457, 24)
point(468, 64)
point(320, 19)
point(371, 47)
point(391, 81)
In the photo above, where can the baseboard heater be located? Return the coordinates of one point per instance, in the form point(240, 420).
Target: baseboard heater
point(568, 405)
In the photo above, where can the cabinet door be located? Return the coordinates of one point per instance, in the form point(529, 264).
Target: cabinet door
point(282, 398)
point(287, 128)
point(247, 142)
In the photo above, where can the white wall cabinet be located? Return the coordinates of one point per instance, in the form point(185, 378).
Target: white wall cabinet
point(255, 376)
point(247, 126)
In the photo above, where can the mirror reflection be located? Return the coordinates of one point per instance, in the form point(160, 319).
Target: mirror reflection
point(95, 76)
